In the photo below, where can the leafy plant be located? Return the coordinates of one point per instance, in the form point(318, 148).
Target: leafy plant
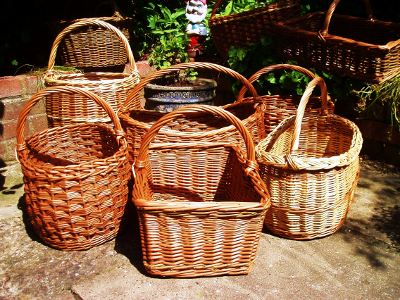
point(238, 6)
point(381, 101)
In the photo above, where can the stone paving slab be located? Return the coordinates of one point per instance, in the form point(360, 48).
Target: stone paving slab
point(361, 261)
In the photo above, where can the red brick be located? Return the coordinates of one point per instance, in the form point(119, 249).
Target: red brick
point(37, 123)
point(11, 86)
point(8, 130)
point(7, 150)
point(144, 68)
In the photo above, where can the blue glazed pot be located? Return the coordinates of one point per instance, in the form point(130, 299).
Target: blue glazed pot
point(166, 98)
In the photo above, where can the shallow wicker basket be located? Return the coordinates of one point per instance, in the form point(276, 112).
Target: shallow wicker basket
point(201, 204)
point(112, 87)
point(363, 48)
point(137, 121)
point(311, 167)
point(242, 29)
point(276, 108)
point(75, 176)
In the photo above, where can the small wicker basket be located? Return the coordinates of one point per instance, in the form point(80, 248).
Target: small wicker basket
point(311, 167)
point(276, 108)
point(201, 204)
point(76, 177)
point(112, 87)
point(362, 48)
point(137, 121)
point(248, 27)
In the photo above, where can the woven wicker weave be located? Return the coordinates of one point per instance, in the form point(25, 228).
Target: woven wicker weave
point(310, 165)
point(201, 204)
point(364, 49)
point(276, 108)
point(76, 177)
point(137, 121)
point(248, 27)
point(93, 46)
point(111, 87)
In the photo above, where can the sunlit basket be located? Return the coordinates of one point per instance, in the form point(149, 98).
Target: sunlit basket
point(93, 46)
point(276, 108)
point(75, 176)
point(137, 121)
point(112, 87)
point(201, 204)
point(365, 49)
point(242, 29)
point(310, 165)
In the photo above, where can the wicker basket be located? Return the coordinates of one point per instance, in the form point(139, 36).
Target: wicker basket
point(248, 27)
point(111, 87)
point(201, 205)
point(276, 108)
point(136, 121)
point(76, 177)
point(93, 46)
point(310, 165)
point(364, 49)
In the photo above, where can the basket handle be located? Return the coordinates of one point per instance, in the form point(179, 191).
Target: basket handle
point(301, 109)
point(331, 10)
point(68, 90)
point(133, 99)
point(265, 70)
point(90, 22)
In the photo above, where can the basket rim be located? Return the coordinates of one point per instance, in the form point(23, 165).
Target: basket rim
point(287, 27)
point(66, 78)
point(296, 162)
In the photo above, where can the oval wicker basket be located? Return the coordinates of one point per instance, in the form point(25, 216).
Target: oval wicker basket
point(75, 177)
point(311, 167)
point(278, 107)
point(201, 204)
point(112, 87)
point(136, 121)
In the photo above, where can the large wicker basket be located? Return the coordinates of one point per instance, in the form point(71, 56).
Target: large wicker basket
point(76, 177)
point(365, 49)
point(112, 87)
point(137, 121)
point(201, 205)
point(311, 167)
point(276, 108)
point(242, 29)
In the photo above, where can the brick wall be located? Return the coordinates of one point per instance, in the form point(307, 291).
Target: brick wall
point(15, 91)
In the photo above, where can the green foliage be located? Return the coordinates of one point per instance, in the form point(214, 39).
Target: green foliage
point(168, 40)
point(381, 100)
point(237, 6)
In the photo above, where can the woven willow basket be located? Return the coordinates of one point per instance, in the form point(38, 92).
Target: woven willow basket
point(276, 108)
point(311, 167)
point(137, 121)
point(363, 48)
point(112, 87)
point(242, 29)
point(201, 204)
point(75, 176)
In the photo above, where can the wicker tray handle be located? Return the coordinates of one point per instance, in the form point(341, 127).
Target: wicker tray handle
point(91, 22)
point(133, 99)
point(63, 89)
point(265, 70)
point(331, 10)
point(301, 109)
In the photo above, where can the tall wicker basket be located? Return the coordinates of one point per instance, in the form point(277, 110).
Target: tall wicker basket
point(276, 108)
point(362, 48)
point(112, 87)
point(137, 121)
point(201, 204)
point(311, 167)
point(242, 29)
point(76, 177)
